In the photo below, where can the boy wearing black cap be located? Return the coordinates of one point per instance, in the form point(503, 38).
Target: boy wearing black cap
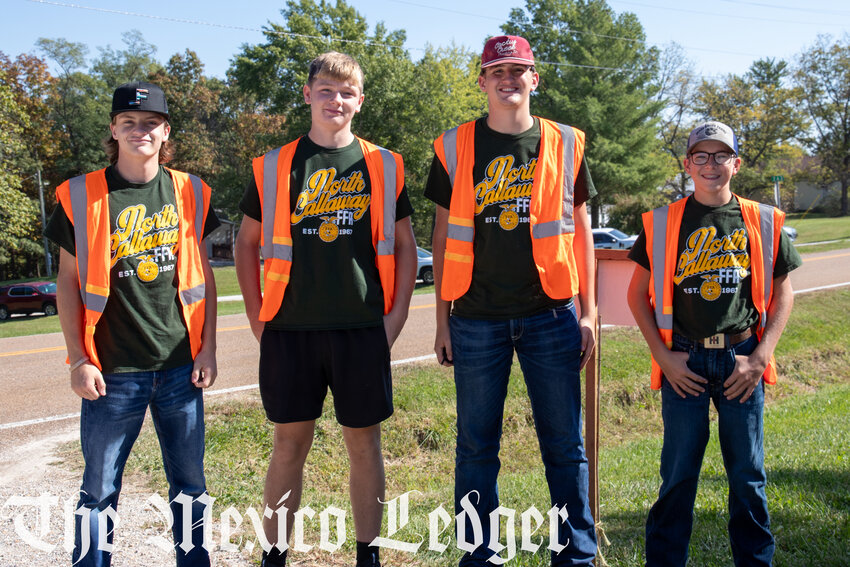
point(711, 295)
point(512, 248)
point(137, 305)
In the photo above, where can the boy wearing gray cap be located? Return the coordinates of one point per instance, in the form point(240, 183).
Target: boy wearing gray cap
point(137, 305)
point(711, 295)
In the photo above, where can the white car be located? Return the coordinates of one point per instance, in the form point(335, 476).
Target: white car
point(425, 266)
point(790, 232)
point(612, 238)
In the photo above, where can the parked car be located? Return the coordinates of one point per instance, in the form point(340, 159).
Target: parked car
point(790, 232)
point(424, 266)
point(31, 297)
point(612, 238)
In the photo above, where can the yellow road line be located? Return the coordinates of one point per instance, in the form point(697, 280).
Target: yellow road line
point(220, 330)
point(33, 351)
point(827, 257)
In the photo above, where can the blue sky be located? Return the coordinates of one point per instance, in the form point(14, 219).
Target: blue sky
point(720, 36)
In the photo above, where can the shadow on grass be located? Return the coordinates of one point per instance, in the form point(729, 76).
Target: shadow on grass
point(810, 519)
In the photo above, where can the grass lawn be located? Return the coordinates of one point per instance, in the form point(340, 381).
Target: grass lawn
point(817, 227)
point(806, 446)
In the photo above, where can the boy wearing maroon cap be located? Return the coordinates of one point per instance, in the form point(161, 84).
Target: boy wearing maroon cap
point(512, 248)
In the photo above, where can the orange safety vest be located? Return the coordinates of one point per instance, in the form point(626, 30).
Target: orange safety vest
point(85, 200)
point(552, 225)
point(272, 175)
point(764, 227)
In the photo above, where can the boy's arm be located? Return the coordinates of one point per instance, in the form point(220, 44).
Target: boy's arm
point(674, 365)
point(205, 369)
point(583, 249)
point(749, 369)
point(443, 340)
point(405, 279)
point(247, 260)
point(86, 380)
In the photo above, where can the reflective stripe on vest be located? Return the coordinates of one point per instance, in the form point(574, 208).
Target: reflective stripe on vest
point(663, 317)
point(277, 236)
point(664, 225)
point(555, 261)
point(280, 248)
point(768, 255)
point(386, 244)
point(93, 297)
point(566, 225)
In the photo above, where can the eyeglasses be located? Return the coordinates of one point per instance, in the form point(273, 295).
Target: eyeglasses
point(720, 158)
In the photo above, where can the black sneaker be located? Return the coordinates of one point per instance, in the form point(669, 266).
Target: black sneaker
point(268, 561)
point(370, 562)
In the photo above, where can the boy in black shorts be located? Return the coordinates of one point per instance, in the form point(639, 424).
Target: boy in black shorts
point(332, 217)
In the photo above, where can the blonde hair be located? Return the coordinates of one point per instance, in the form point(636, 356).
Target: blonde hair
point(337, 66)
point(110, 146)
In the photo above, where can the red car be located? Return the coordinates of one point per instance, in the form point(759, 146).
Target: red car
point(30, 297)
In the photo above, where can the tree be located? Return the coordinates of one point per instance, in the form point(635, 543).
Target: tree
point(134, 63)
point(79, 109)
point(31, 84)
point(676, 92)
point(823, 76)
point(19, 252)
point(597, 74)
point(764, 115)
point(407, 104)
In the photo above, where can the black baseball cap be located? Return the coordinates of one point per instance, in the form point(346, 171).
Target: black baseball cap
point(139, 96)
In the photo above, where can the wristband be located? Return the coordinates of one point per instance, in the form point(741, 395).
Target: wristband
point(79, 363)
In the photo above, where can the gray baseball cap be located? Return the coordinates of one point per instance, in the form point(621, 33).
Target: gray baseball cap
point(713, 130)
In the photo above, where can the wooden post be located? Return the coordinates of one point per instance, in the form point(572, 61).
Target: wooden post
point(591, 405)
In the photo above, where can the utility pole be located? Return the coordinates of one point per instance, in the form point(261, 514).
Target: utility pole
point(47, 259)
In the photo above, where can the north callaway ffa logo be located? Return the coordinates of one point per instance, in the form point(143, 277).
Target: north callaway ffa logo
point(508, 219)
point(147, 270)
point(710, 288)
point(328, 230)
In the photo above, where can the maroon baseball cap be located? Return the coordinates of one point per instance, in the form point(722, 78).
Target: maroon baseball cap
point(506, 49)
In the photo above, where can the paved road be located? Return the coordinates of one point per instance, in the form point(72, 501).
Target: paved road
point(34, 378)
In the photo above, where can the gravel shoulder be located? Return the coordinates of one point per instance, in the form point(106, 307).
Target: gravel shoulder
point(38, 491)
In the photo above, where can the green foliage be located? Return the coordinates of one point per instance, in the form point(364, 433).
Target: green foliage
point(18, 212)
point(407, 105)
point(594, 80)
point(764, 115)
point(823, 77)
point(79, 106)
point(626, 212)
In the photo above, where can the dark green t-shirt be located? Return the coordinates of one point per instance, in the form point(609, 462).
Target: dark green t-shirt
point(708, 299)
point(142, 327)
point(334, 282)
point(505, 281)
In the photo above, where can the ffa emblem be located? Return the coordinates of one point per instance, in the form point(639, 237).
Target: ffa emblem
point(710, 288)
point(508, 219)
point(147, 270)
point(141, 94)
point(328, 230)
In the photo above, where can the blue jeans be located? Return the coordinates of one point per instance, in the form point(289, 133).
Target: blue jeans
point(109, 427)
point(686, 431)
point(548, 346)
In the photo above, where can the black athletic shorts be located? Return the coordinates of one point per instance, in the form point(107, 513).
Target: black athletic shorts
point(297, 367)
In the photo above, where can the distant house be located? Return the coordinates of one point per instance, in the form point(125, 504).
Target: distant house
point(220, 242)
point(808, 195)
